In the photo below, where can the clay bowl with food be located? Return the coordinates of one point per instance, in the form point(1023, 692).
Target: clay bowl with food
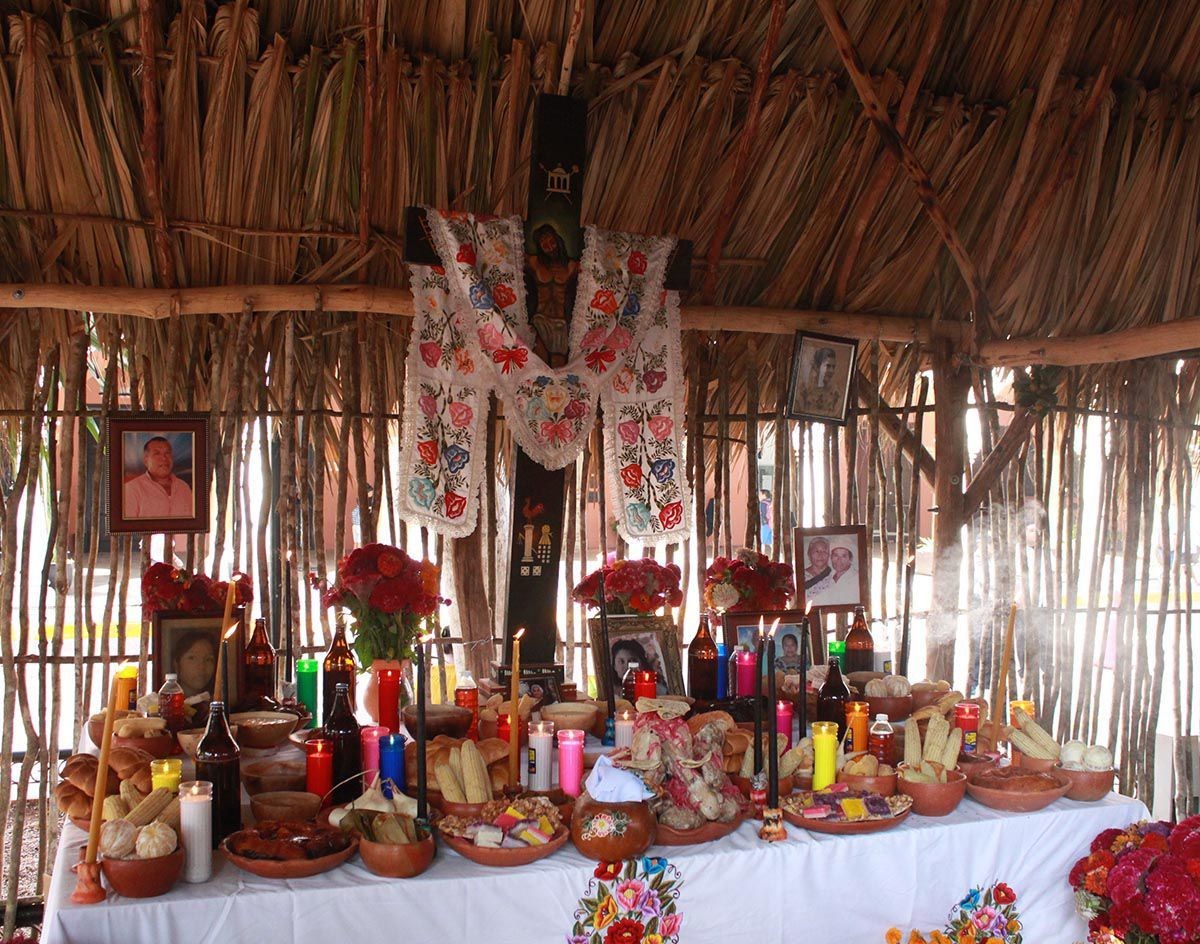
point(934, 799)
point(973, 765)
point(189, 739)
point(1000, 791)
point(922, 699)
point(506, 858)
point(158, 746)
point(398, 859)
point(288, 806)
point(263, 730)
point(287, 868)
point(143, 878)
point(449, 808)
point(884, 785)
point(786, 784)
point(897, 708)
point(1088, 786)
point(302, 736)
point(95, 726)
point(1039, 765)
point(450, 720)
point(273, 776)
point(578, 715)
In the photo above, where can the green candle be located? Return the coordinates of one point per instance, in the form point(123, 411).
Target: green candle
point(306, 687)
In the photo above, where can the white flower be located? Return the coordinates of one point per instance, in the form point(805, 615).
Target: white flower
point(724, 596)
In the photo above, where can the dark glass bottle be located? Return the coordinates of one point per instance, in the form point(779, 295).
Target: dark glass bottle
point(628, 691)
point(338, 667)
point(342, 729)
point(860, 647)
point(218, 761)
point(258, 666)
point(702, 663)
point(832, 698)
point(731, 684)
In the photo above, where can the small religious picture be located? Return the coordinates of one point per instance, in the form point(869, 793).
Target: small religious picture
point(158, 473)
point(833, 563)
point(819, 385)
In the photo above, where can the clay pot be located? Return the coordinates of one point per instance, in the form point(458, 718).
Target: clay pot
point(449, 720)
point(397, 860)
point(934, 799)
point(612, 832)
point(786, 785)
point(159, 746)
point(143, 878)
point(1088, 785)
point(972, 765)
point(885, 786)
point(95, 725)
point(292, 806)
point(896, 708)
point(263, 730)
point(270, 776)
point(189, 739)
point(923, 699)
point(1039, 765)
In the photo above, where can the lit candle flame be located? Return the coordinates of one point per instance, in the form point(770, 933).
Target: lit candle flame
point(807, 607)
point(774, 626)
point(518, 634)
point(760, 627)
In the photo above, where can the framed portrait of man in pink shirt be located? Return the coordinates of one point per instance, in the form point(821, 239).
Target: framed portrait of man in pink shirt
point(158, 473)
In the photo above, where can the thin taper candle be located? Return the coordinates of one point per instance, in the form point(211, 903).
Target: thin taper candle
point(607, 655)
point(758, 693)
point(773, 724)
point(514, 715)
point(227, 628)
point(422, 786)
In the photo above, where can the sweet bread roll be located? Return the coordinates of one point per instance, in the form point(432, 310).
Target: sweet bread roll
point(492, 749)
point(72, 801)
point(126, 761)
point(80, 770)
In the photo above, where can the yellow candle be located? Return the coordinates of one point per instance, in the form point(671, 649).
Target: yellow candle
point(514, 716)
point(825, 742)
point(166, 773)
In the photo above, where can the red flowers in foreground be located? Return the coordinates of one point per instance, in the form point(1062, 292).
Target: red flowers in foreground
point(169, 588)
point(387, 579)
point(637, 586)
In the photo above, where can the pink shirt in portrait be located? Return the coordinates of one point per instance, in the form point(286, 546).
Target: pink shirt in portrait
point(145, 498)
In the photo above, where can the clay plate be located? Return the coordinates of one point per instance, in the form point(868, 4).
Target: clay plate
point(503, 858)
point(709, 832)
point(262, 730)
point(1009, 802)
point(291, 868)
point(845, 829)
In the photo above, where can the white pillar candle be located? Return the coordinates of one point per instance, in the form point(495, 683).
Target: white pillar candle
point(624, 729)
point(541, 755)
point(195, 829)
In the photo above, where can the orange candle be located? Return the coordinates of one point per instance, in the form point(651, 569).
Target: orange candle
point(514, 717)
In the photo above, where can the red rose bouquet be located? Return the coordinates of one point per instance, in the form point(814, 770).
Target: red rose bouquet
point(1141, 885)
point(747, 583)
point(631, 586)
point(169, 588)
point(391, 596)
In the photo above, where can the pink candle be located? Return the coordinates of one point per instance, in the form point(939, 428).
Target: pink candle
point(389, 700)
point(570, 761)
point(747, 668)
point(319, 766)
point(369, 738)
point(783, 720)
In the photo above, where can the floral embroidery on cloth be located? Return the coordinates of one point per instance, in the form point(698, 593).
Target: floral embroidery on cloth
point(985, 915)
point(471, 335)
point(634, 902)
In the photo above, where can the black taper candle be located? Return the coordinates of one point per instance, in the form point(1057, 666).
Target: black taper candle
point(422, 798)
point(758, 697)
point(607, 654)
point(804, 633)
point(772, 727)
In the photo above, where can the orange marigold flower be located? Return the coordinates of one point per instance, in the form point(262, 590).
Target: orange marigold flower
point(1096, 881)
point(892, 936)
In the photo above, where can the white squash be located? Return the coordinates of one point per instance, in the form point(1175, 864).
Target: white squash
point(1071, 755)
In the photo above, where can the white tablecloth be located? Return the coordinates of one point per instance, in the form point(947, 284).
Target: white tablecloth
point(735, 891)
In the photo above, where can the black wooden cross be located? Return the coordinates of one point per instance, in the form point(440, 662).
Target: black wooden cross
point(553, 247)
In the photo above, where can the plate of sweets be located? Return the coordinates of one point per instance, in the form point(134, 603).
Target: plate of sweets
point(506, 833)
point(843, 811)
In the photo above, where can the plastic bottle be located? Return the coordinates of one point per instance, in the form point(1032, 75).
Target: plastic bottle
point(170, 704)
point(628, 681)
point(466, 695)
point(881, 741)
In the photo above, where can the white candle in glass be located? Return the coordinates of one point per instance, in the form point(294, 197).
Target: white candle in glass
point(624, 729)
point(541, 755)
point(195, 829)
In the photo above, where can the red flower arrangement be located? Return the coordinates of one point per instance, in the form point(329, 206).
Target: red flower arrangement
point(747, 583)
point(169, 588)
point(632, 586)
point(390, 595)
point(1141, 885)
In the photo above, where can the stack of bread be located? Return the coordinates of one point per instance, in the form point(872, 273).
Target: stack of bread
point(128, 775)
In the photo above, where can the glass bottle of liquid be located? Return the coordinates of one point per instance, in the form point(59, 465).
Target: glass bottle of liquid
point(832, 698)
point(342, 729)
point(258, 666)
point(338, 667)
point(731, 675)
point(702, 663)
point(882, 740)
point(860, 647)
point(170, 704)
point(218, 760)
point(628, 680)
point(466, 695)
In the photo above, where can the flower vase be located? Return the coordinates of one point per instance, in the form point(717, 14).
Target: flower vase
point(370, 697)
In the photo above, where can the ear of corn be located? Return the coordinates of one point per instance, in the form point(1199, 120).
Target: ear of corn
point(935, 738)
point(1035, 732)
point(950, 751)
point(477, 785)
point(456, 765)
point(1030, 747)
point(451, 789)
point(115, 808)
point(912, 745)
point(170, 814)
point(131, 794)
point(146, 811)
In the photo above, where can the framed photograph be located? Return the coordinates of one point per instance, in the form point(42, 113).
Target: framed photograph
point(186, 644)
point(158, 473)
point(650, 641)
point(833, 565)
point(819, 383)
point(742, 629)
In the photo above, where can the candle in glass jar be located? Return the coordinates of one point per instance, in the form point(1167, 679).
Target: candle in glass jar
point(858, 720)
point(825, 742)
point(166, 773)
point(369, 738)
point(722, 671)
point(391, 762)
point(624, 728)
point(127, 684)
point(389, 699)
point(783, 720)
point(195, 829)
point(747, 681)
point(570, 761)
point(306, 687)
point(645, 684)
point(541, 755)
point(319, 766)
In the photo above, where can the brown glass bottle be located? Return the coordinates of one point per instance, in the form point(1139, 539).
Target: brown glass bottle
point(258, 667)
point(338, 667)
point(860, 647)
point(702, 663)
point(218, 761)
point(832, 698)
point(342, 729)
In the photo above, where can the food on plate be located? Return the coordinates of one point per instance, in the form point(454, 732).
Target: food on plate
point(866, 765)
point(374, 798)
point(140, 727)
point(890, 686)
point(1018, 780)
point(388, 828)
point(287, 841)
point(1031, 739)
point(464, 778)
point(504, 824)
point(840, 804)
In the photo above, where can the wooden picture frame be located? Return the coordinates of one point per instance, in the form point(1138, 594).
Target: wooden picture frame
point(172, 628)
point(742, 629)
point(823, 588)
point(655, 638)
point(820, 377)
point(142, 450)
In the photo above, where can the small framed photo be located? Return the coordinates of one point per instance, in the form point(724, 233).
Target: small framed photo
point(742, 629)
point(187, 644)
point(651, 641)
point(158, 473)
point(819, 383)
point(834, 567)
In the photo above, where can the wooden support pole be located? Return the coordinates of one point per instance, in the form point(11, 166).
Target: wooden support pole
point(896, 428)
point(1009, 444)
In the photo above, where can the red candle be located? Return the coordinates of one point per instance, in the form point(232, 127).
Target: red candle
point(389, 699)
point(645, 684)
point(320, 766)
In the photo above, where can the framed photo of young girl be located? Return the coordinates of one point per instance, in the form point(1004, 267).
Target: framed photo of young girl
point(833, 564)
point(187, 644)
point(650, 641)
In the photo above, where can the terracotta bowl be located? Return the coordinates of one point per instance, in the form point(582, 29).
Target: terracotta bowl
point(1039, 764)
point(1088, 785)
point(921, 699)
point(709, 832)
point(786, 785)
point(1010, 802)
point(273, 776)
point(449, 720)
point(158, 746)
point(972, 765)
point(449, 808)
point(503, 858)
point(611, 832)
point(285, 805)
point(301, 736)
point(897, 709)
point(397, 860)
point(143, 878)
point(289, 868)
point(885, 786)
point(580, 715)
point(934, 799)
point(189, 739)
point(261, 730)
point(802, 779)
point(95, 725)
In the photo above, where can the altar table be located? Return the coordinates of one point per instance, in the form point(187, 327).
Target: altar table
point(738, 890)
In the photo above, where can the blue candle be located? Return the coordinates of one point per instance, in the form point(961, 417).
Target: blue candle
point(391, 762)
point(722, 672)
